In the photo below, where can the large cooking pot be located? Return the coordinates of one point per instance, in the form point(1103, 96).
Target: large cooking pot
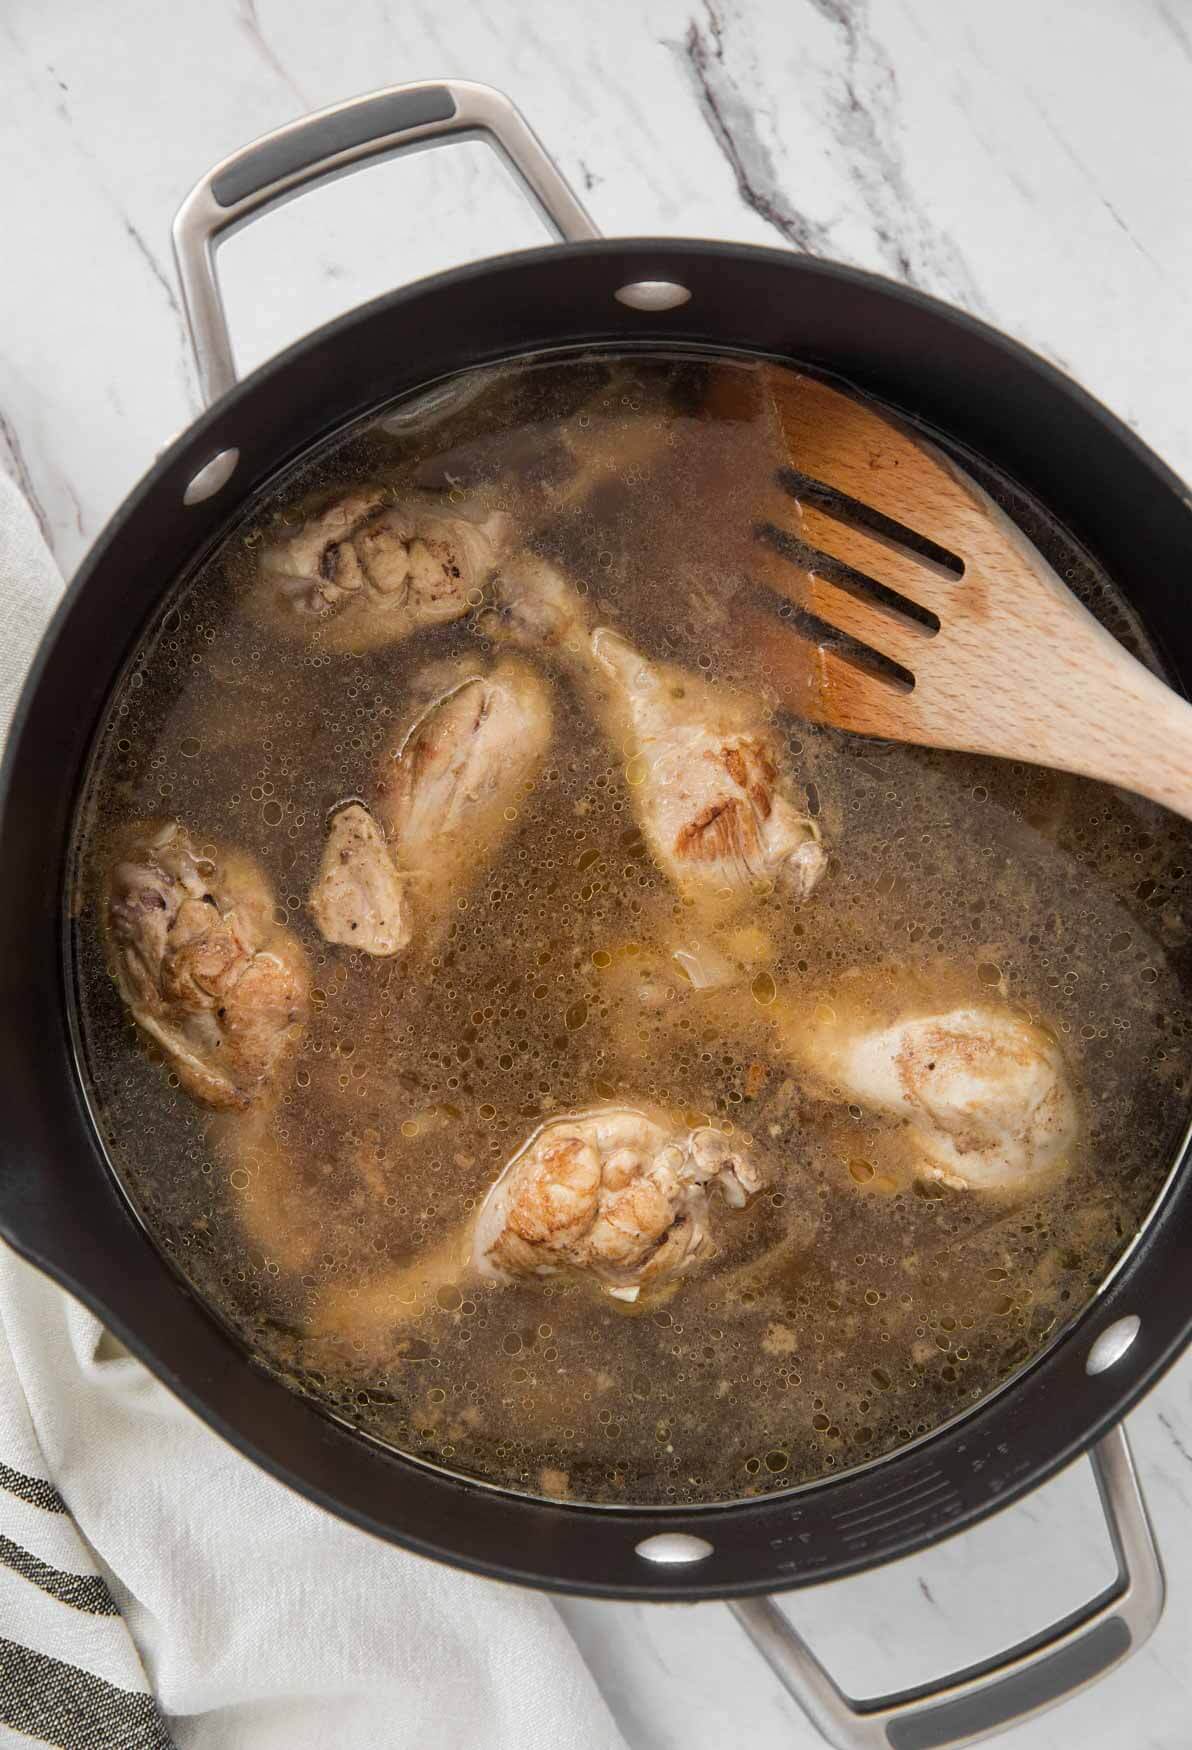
point(60, 1204)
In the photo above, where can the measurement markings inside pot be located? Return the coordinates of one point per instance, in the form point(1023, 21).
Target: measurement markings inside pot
point(906, 1523)
point(942, 1499)
point(926, 1480)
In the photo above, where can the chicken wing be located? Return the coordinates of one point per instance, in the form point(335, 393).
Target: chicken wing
point(619, 1194)
point(205, 969)
point(359, 899)
point(364, 572)
point(447, 792)
point(986, 1093)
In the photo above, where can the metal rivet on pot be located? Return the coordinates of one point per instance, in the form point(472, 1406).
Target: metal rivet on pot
point(652, 295)
point(672, 1548)
point(211, 476)
point(1112, 1344)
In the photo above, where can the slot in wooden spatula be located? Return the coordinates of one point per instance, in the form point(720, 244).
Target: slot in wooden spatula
point(920, 613)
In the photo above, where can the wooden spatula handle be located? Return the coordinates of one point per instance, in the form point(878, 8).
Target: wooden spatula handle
point(1042, 680)
point(1131, 730)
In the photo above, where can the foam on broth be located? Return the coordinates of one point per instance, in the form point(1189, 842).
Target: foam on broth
point(778, 1362)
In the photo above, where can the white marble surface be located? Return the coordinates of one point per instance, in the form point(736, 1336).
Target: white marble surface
point(1030, 162)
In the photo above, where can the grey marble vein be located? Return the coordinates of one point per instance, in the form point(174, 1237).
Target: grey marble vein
point(150, 260)
point(1178, 26)
point(864, 111)
point(1169, 1428)
point(73, 499)
point(16, 466)
point(250, 24)
point(74, 142)
point(733, 124)
point(1082, 169)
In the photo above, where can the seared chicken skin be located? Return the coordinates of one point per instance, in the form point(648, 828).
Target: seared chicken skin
point(365, 572)
point(359, 899)
point(710, 790)
point(206, 971)
point(447, 792)
point(710, 782)
point(987, 1094)
point(709, 779)
point(616, 1194)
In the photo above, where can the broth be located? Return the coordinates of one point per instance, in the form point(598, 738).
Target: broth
point(852, 1306)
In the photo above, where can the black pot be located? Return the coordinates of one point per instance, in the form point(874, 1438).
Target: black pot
point(59, 1203)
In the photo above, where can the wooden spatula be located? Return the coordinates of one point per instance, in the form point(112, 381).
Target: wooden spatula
point(922, 614)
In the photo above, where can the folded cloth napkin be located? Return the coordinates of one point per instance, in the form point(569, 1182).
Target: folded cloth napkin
point(156, 1589)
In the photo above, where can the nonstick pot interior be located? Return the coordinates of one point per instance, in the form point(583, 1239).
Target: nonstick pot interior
point(58, 1202)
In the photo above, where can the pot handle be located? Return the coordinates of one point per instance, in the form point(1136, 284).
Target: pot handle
point(999, 1692)
point(332, 142)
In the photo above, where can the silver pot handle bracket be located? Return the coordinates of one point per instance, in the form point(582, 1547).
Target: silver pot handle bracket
point(331, 143)
point(987, 1698)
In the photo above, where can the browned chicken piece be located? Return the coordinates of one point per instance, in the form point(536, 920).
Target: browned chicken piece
point(986, 1094)
point(358, 898)
point(448, 791)
point(619, 1194)
point(365, 572)
point(199, 958)
point(709, 781)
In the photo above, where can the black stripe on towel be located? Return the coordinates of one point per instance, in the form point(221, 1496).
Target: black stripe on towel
point(32, 1489)
point(62, 1705)
point(84, 1591)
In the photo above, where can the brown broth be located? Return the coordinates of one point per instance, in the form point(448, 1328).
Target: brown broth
point(847, 1311)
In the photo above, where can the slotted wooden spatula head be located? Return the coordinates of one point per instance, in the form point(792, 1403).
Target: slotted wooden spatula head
point(918, 612)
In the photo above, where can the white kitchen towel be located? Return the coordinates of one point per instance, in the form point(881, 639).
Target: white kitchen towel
point(30, 586)
point(156, 1589)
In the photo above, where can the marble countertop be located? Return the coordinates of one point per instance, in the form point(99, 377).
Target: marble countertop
point(1030, 163)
